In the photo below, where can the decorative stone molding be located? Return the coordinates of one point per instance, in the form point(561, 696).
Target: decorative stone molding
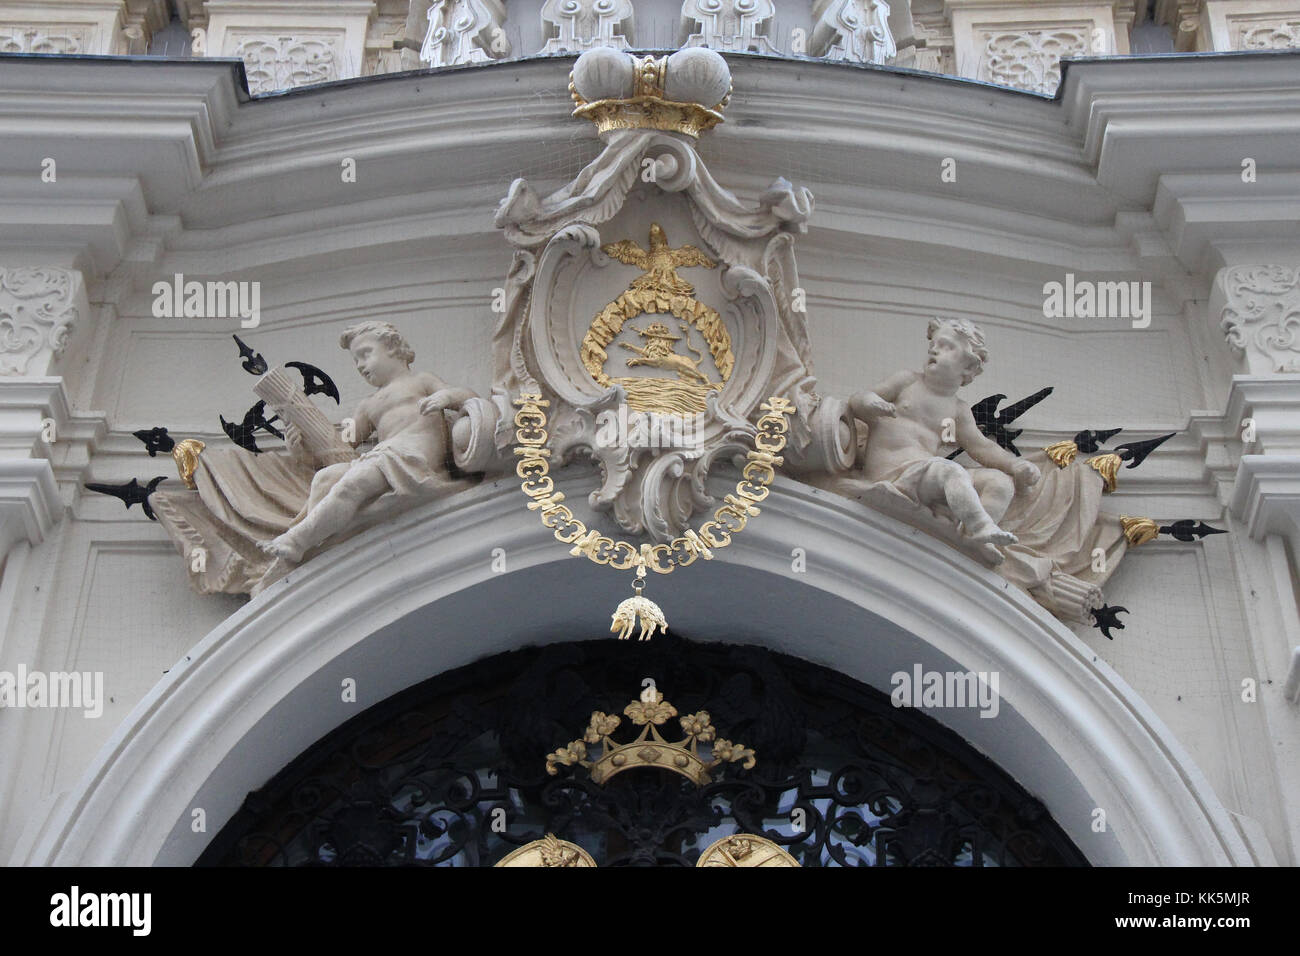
point(737, 26)
point(382, 55)
point(1250, 25)
point(1259, 313)
point(934, 44)
point(38, 309)
point(465, 31)
point(288, 43)
point(853, 30)
point(30, 505)
point(42, 38)
point(104, 27)
point(1021, 44)
point(222, 721)
point(1268, 35)
point(578, 25)
point(1030, 59)
point(278, 63)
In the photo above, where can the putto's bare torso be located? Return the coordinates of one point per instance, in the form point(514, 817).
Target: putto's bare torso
point(910, 434)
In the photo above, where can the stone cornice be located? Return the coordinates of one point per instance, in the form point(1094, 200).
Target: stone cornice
point(1123, 136)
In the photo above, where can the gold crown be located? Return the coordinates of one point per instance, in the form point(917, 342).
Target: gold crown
point(650, 749)
point(682, 93)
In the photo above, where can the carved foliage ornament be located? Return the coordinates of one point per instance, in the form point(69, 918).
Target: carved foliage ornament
point(282, 62)
point(1031, 59)
point(36, 314)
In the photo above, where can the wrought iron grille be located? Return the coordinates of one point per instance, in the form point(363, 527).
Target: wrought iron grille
point(451, 772)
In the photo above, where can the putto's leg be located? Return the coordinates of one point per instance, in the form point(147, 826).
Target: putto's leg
point(323, 481)
point(995, 489)
point(949, 483)
point(361, 484)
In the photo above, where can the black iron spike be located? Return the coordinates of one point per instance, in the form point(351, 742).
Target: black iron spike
point(1092, 439)
point(129, 493)
point(1106, 617)
point(253, 362)
point(314, 381)
point(1136, 452)
point(244, 434)
point(155, 440)
point(993, 424)
point(1188, 528)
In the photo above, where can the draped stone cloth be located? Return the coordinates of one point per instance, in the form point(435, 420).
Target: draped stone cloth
point(239, 499)
point(1059, 522)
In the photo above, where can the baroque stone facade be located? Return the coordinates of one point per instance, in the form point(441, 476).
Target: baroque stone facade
point(511, 243)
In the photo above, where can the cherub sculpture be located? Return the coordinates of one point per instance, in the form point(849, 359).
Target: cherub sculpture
point(410, 456)
point(911, 415)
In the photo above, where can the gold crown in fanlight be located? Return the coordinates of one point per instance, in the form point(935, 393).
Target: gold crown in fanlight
point(684, 92)
point(650, 749)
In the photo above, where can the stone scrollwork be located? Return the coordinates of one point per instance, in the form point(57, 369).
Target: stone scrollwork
point(578, 25)
point(465, 31)
point(1031, 59)
point(853, 30)
point(37, 314)
point(1261, 314)
point(737, 26)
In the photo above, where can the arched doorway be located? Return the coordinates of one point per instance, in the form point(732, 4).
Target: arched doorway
point(451, 772)
point(404, 603)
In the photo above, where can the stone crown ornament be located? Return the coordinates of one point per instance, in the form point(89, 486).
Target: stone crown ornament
point(682, 93)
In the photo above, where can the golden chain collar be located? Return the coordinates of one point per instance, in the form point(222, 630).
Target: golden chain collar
point(534, 468)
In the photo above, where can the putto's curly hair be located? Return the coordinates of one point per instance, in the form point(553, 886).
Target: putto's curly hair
point(388, 336)
point(974, 342)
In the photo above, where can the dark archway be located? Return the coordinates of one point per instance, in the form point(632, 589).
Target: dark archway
point(452, 772)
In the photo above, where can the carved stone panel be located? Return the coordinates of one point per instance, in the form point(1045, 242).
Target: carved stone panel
point(46, 38)
point(854, 30)
point(738, 26)
point(465, 31)
point(1257, 34)
point(1260, 315)
point(578, 25)
point(280, 62)
point(37, 314)
point(1030, 59)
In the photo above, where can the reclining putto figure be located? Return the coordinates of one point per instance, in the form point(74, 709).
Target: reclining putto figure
point(911, 414)
point(410, 457)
